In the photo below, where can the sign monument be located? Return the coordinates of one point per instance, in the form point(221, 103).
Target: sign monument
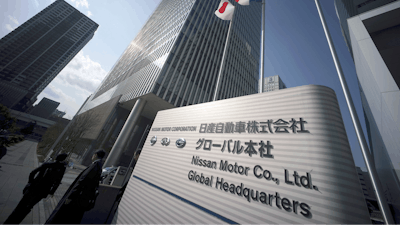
point(275, 157)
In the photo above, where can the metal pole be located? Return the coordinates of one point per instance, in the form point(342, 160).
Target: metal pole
point(123, 137)
point(223, 59)
point(141, 143)
point(387, 215)
point(262, 48)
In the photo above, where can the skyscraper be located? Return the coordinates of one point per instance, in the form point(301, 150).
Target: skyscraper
point(45, 108)
point(33, 54)
point(273, 83)
point(177, 55)
point(372, 32)
point(175, 59)
point(349, 8)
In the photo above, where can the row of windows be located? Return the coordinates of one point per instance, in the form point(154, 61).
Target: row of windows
point(61, 63)
point(150, 44)
point(190, 71)
point(20, 31)
point(247, 20)
point(187, 46)
point(166, 47)
point(50, 47)
point(239, 65)
point(26, 38)
point(199, 88)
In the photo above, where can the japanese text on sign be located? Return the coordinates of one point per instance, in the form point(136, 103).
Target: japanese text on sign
point(268, 126)
point(235, 147)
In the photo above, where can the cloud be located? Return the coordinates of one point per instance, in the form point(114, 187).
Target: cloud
point(67, 103)
point(51, 92)
point(89, 13)
point(82, 73)
point(74, 84)
point(13, 19)
point(37, 3)
point(58, 94)
point(9, 27)
point(79, 3)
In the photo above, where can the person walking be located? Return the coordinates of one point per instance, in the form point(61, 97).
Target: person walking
point(43, 181)
point(81, 195)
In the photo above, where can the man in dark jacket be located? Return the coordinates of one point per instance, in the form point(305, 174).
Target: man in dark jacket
point(43, 181)
point(81, 195)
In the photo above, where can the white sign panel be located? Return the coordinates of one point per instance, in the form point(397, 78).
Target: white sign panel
point(276, 157)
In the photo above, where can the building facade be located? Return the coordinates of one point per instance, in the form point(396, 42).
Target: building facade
point(173, 62)
point(374, 42)
point(273, 83)
point(57, 113)
point(45, 108)
point(33, 54)
point(349, 8)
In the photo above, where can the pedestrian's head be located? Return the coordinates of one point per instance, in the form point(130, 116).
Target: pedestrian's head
point(99, 154)
point(61, 157)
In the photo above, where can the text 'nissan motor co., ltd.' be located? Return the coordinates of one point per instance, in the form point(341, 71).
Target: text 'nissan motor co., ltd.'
point(256, 148)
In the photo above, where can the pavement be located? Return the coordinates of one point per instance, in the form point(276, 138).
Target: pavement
point(16, 166)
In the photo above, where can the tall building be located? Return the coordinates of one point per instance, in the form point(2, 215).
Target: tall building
point(33, 54)
point(57, 113)
point(273, 83)
point(45, 108)
point(373, 38)
point(349, 8)
point(173, 62)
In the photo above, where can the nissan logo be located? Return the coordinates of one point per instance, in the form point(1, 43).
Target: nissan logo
point(180, 143)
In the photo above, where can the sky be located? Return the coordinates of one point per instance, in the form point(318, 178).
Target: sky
point(296, 49)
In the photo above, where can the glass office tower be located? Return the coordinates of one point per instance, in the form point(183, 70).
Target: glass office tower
point(372, 32)
point(176, 58)
point(349, 8)
point(33, 54)
point(178, 52)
